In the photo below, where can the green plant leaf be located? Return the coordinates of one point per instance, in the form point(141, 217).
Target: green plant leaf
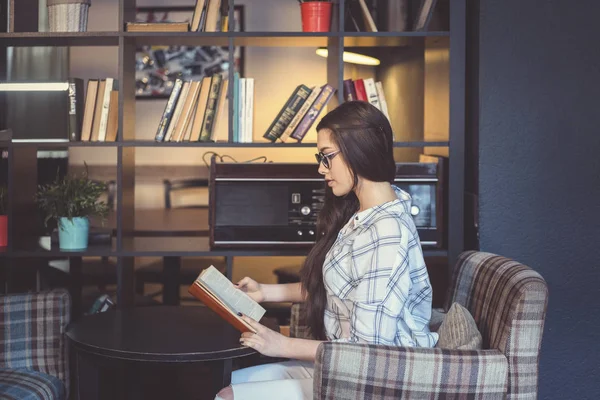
point(70, 197)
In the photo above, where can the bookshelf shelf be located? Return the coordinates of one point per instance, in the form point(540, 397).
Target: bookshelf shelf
point(62, 144)
point(27, 39)
point(189, 249)
point(282, 39)
point(152, 143)
point(91, 251)
point(178, 38)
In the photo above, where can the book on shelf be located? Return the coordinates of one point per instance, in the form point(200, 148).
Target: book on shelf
point(75, 108)
point(193, 109)
point(299, 113)
point(358, 17)
point(313, 112)
point(218, 293)
point(210, 16)
point(158, 27)
point(286, 113)
point(245, 113)
point(366, 90)
point(100, 121)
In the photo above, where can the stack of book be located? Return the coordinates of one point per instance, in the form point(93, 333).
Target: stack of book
point(196, 111)
point(299, 113)
point(101, 112)
point(366, 90)
point(209, 16)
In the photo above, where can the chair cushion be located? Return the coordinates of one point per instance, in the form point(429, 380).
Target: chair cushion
point(25, 384)
point(458, 330)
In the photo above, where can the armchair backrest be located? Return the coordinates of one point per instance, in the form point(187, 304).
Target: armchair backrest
point(32, 332)
point(508, 301)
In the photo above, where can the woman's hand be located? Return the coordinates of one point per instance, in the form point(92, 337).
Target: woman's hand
point(266, 341)
point(252, 289)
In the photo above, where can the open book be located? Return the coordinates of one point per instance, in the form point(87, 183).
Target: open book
point(218, 293)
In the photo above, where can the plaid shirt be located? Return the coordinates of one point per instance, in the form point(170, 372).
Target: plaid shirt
point(378, 288)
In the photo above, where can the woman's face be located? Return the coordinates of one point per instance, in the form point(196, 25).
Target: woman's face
point(338, 176)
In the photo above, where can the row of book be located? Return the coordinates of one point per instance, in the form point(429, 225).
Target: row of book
point(196, 111)
point(100, 119)
point(208, 16)
point(366, 90)
point(299, 113)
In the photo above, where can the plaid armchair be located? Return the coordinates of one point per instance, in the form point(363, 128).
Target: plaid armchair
point(508, 302)
point(33, 349)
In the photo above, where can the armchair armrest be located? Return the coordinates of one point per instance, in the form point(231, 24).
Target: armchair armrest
point(298, 327)
point(32, 332)
point(352, 371)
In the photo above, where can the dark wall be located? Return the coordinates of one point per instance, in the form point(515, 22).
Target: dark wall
point(539, 182)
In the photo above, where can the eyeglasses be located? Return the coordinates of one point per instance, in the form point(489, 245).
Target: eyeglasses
point(326, 158)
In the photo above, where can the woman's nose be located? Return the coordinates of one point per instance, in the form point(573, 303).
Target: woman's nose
point(322, 170)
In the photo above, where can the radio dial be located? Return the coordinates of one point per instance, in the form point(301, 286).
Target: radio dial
point(305, 210)
point(299, 233)
point(311, 233)
point(414, 210)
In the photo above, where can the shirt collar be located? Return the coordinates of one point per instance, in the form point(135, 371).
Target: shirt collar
point(365, 216)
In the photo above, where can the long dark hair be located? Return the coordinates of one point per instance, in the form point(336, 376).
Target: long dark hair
point(365, 139)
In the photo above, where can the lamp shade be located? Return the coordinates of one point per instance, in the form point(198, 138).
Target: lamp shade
point(352, 58)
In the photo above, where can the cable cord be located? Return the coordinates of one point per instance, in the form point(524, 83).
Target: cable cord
point(222, 158)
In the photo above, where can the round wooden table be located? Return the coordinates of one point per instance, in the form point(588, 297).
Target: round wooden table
point(145, 350)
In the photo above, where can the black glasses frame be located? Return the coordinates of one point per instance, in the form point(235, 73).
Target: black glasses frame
point(326, 158)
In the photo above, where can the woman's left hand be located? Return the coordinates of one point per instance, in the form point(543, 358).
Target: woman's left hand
point(266, 341)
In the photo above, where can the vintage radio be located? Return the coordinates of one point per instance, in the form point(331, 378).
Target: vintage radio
point(276, 204)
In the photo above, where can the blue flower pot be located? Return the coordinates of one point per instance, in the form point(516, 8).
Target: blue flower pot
point(73, 234)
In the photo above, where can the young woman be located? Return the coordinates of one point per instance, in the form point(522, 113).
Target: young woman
point(364, 280)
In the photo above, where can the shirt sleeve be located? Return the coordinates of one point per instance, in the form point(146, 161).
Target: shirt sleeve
point(381, 283)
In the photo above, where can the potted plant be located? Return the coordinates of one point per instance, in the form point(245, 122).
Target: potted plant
point(70, 201)
point(3, 217)
point(316, 15)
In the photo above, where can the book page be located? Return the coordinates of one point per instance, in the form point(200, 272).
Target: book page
point(233, 298)
point(225, 307)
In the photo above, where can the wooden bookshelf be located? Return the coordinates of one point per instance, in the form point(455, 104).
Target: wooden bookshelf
point(395, 44)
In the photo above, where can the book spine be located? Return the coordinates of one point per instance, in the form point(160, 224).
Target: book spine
point(75, 108)
point(371, 92)
point(209, 114)
point(381, 95)
point(168, 113)
point(242, 106)
point(90, 106)
point(287, 112)
point(359, 86)
point(170, 135)
point(236, 109)
point(105, 107)
point(249, 109)
point(349, 92)
point(313, 112)
point(300, 114)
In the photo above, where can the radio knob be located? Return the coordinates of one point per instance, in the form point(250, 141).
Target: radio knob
point(311, 233)
point(305, 210)
point(299, 233)
point(414, 210)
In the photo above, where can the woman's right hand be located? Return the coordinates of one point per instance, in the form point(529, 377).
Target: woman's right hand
point(252, 289)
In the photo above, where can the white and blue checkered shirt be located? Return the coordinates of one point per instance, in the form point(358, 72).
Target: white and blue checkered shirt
point(378, 288)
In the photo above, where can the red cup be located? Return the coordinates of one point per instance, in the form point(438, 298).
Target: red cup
point(3, 231)
point(316, 16)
